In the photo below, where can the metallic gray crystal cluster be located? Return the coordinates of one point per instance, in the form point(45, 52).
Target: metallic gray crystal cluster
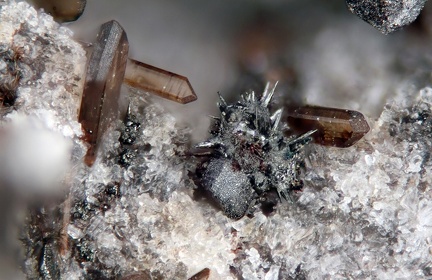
point(386, 15)
point(251, 155)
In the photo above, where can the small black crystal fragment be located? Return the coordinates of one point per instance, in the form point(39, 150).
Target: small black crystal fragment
point(268, 203)
point(10, 75)
point(131, 130)
point(48, 262)
point(107, 196)
point(84, 250)
point(83, 210)
point(126, 157)
point(112, 190)
point(96, 274)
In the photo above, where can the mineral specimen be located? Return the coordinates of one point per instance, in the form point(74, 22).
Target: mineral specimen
point(159, 81)
point(251, 155)
point(335, 127)
point(386, 15)
point(365, 213)
point(105, 72)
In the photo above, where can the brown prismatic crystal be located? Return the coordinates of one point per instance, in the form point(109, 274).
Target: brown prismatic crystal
point(105, 73)
point(336, 127)
point(161, 82)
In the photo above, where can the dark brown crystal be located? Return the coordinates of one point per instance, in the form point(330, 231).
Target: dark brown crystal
point(105, 73)
point(335, 127)
point(62, 10)
point(159, 81)
point(202, 275)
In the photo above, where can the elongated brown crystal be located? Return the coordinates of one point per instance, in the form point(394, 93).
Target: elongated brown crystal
point(159, 81)
point(335, 127)
point(105, 73)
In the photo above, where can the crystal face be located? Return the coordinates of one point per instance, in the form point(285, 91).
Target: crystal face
point(105, 73)
point(161, 82)
point(386, 16)
point(335, 127)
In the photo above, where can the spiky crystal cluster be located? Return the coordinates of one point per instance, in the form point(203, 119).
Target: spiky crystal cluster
point(251, 155)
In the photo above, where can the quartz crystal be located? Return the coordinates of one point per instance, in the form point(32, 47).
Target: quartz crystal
point(159, 81)
point(336, 127)
point(105, 72)
point(62, 10)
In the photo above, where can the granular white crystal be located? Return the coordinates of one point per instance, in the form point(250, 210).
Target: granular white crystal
point(53, 67)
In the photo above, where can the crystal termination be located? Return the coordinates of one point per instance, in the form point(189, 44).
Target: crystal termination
point(335, 127)
point(159, 81)
point(105, 72)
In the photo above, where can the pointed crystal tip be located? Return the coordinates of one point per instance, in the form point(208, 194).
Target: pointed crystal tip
point(335, 127)
point(161, 82)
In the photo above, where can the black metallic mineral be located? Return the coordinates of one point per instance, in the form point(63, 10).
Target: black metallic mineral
point(386, 15)
point(251, 156)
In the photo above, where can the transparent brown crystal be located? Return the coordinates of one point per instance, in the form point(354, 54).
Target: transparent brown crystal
point(62, 10)
point(159, 81)
point(105, 73)
point(335, 127)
